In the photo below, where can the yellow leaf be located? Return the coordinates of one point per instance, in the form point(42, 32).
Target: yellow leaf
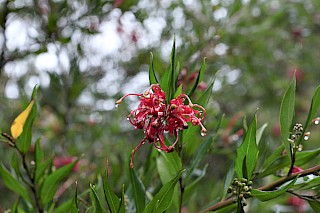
point(18, 123)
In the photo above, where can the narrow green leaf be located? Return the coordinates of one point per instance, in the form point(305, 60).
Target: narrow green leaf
point(34, 92)
point(15, 164)
point(38, 153)
point(112, 200)
point(152, 75)
point(191, 187)
point(167, 82)
point(274, 156)
point(228, 181)
point(24, 140)
point(307, 183)
point(268, 195)
point(283, 161)
point(199, 78)
point(199, 155)
point(122, 208)
point(260, 132)
point(287, 112)
point(204, 98)
point(247, 152)
point(41, 168)
point(13, 184)
point(168, 165)
point(95, 200)
point(315, 205)
point(178, 92)
point(52, 182)
point(74, 204)
point(138, 191)
point(163, 197)
point(172, 82)
point(315, 104)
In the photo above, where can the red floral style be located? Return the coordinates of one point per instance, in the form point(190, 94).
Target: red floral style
point(156, 116)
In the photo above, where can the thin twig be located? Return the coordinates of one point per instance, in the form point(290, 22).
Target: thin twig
point(269, 187)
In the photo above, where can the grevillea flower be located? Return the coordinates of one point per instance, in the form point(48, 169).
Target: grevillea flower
point(155, 115)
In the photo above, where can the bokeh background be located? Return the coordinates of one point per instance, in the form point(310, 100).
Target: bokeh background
point(85, 54)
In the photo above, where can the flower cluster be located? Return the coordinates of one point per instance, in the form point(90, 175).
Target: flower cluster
point(241, 188)
point(155, 115)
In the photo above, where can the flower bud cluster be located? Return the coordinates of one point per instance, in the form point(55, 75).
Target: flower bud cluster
point(295, 137)
point(241, 188)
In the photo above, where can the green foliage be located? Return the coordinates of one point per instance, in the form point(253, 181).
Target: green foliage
point(13, 184)
point(138, 191)
point(152, 75)
point(112, 200)
point(268, 195)
point(95, 201)
point(52, 182)
point(162, 199)
point(247, 153)
point(287, 113)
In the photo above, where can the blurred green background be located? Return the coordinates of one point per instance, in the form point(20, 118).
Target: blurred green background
point(86, 54)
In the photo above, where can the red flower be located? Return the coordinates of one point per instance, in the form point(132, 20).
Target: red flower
point(62, 161)
point(296, 202)
point(155, 115)
point(296, 169)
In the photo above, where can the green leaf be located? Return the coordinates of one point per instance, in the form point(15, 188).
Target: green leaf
point(38, 153)
point(112, 200)
point(122, 208)
point(199, 78)
point(191, 187)
point(315, 104)
point(274, 156)
point(283, 161)
point(13, 184)
point(162, 199)
point(41, 168)
point(152, 75)
point(167, 82)
point(168, 165)
point(138, 191)
point(260, 132)
point(315, 205)
point(52, 182)
point(95, 200)
point(268, 195)
point(24, 140)
point(74, 204)
point(199, 155)
point(228, 181)
point(287, 112)
point(307, 183)
point(178, 92)
point(34, 92)
point(15, 164)
point(204, 98)
point(247, 152)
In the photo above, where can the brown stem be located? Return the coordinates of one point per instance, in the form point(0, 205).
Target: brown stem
point(268, 187)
